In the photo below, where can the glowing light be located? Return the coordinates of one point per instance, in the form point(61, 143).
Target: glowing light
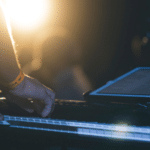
point(26, 12)
point(121, 128)
point(41, 37)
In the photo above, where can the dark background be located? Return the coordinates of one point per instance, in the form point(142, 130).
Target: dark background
point(109, 39)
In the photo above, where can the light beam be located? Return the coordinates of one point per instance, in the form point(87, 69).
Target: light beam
point(27, 13)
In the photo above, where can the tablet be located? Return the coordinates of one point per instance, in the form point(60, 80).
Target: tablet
point(132, 87)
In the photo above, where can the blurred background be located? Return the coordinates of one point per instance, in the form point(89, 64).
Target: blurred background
point(73, 46)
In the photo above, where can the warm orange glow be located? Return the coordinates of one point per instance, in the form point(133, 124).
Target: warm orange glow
point(27, 13)
point(41, 37)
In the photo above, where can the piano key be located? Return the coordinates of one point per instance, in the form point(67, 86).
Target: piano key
point(82, 128)
point(82, 123)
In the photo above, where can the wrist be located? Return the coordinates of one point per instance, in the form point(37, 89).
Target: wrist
point(15, 83)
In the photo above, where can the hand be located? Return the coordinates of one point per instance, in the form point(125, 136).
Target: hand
point(43, 98)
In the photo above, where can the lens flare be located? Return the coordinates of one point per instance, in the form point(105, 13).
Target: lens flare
point(26, 12)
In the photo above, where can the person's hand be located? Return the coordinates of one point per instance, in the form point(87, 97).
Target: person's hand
point(31, 89)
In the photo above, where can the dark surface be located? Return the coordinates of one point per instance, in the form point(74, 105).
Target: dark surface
point(71, 110)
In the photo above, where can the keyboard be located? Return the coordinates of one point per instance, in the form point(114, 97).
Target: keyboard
point(80, 118)
point(94, 129)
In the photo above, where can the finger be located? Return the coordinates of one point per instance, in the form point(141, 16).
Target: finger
point(50, 93)
point(38, 106)
point(52, 109)
point(48, 106)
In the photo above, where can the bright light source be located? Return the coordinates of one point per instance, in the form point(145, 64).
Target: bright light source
point(122, 127)
point(26, 13)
